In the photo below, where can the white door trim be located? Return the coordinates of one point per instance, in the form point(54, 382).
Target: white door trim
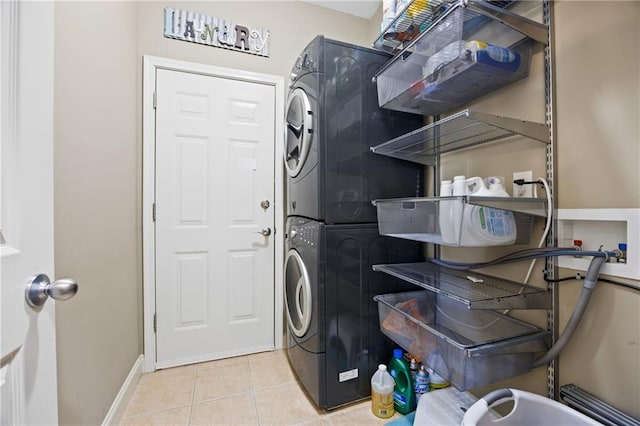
point(151, 64)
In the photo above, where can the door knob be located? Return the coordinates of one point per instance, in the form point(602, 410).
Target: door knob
point(264, 231)
point(40, 288)
point(265, 204)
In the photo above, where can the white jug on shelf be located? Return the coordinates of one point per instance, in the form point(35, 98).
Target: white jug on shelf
point(457, 207)
point(445, 213)
point(486, 226)
point(477, 186)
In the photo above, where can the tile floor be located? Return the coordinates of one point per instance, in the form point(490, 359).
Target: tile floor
point(257, 389)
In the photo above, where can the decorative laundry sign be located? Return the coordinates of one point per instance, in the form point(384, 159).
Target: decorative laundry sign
point(212, 31)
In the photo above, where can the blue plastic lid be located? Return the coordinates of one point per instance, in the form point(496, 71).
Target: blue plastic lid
point(397, 353)
point(622, 246)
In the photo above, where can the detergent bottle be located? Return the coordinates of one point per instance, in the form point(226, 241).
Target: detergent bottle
point(457, 206)
point(486, 226)
point(404, 398)
point(382, 393)
point(445, 207)
point(476, 186)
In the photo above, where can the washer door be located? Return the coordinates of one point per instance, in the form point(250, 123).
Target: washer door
point(299, 123)
point(297, 294)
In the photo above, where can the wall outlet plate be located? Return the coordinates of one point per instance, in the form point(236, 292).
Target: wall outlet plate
point(520, 191)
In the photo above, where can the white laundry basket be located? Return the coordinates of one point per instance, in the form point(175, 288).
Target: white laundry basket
point(529, 409)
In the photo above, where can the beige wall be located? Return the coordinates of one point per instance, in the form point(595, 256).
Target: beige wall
point(374, 27)
point(598, 110)
point(96, 221)
point(598, 85)
point(99, 48)
point(292, 24)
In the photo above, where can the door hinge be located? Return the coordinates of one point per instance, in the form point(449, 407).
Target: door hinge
point(153, 212)
point(155, 322)
point(155, 100)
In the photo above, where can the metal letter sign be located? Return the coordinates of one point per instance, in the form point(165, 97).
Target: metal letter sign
point(212, 31)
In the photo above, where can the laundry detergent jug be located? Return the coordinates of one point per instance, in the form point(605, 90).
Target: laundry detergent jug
point(445, 212)
point(476, 186)
point(486, 226)
point(382, 385)
point(459, 187)
point(404, 397)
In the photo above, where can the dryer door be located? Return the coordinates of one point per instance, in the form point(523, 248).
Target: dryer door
point(297, 294)
point(299, 122)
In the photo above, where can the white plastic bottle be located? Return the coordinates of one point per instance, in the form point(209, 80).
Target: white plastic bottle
point(382, 393)
point(486, 226)
point(457, 208)
point(496, 186)
point(444, 213)
point(459, 185)
point(476, 186)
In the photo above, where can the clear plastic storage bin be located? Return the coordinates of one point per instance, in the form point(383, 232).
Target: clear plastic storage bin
point(462, 56)
point(469, 348)
point(454, 221)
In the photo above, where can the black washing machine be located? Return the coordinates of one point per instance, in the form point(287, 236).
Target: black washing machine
point(332, 121)
point(335, 343)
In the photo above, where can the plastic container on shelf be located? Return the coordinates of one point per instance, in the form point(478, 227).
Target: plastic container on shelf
point(420, 219)
point(444, 213)
point(446, 188)
point(404, 400)
point(485, 226)
point(468, 348)
point(477, 186)
point(452, 63)
point(457, 209)
point(382, 393)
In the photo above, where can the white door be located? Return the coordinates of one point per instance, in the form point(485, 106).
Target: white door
point(28, 374)
point(214, 217)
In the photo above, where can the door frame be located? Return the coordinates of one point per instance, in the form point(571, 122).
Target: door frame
point(150, 65)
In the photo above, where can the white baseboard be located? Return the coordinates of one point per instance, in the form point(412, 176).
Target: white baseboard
point(116, 412)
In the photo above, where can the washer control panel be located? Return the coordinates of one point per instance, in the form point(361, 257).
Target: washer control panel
point(302, 232)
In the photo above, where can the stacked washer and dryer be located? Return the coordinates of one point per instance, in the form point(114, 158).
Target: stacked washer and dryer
point(332, 239)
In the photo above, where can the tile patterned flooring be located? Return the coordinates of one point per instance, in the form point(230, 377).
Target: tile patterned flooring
point(258, 389)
